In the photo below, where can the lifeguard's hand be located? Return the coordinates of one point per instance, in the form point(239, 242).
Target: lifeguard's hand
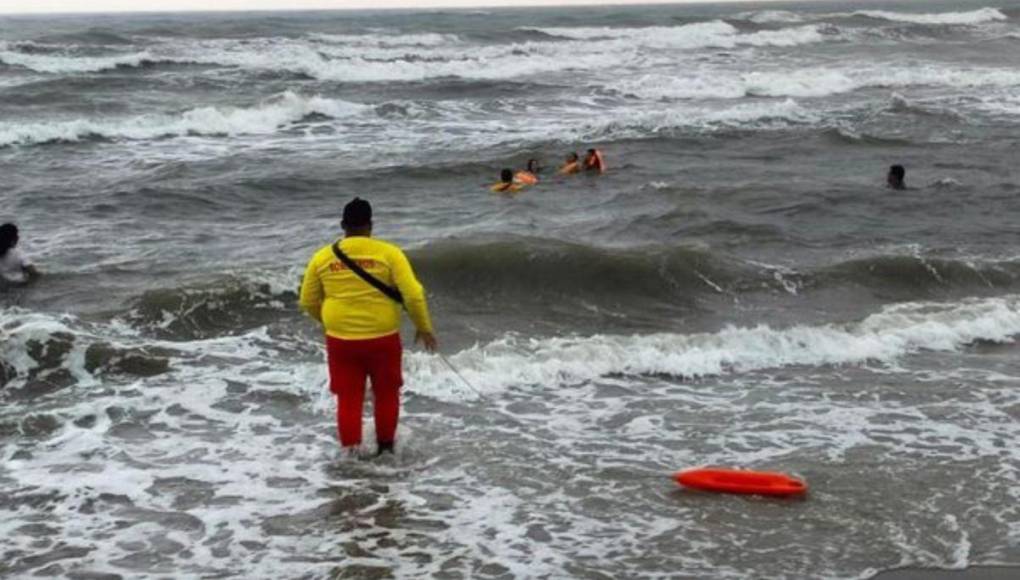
point(428, 340)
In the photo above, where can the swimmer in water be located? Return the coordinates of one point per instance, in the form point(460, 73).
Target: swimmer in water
point(14, 268)
point(528, 176)
point(897, 177)
point(506, 183)
point(572, 166)
point(593, 161)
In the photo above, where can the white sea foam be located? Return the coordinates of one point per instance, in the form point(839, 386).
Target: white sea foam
point(21, 328)
point(971, 17)
point(770, 16)
point(798, 83)
point(712, 34)
point(640, 123)
point(345, 64)
point(383, 58)
point(421, 129)
point(786, 37)
point(513, 362)
point(350, 59)
point(713, 85)
point(264, 118)
point(1007, 105)
point(224, 480)
point(809, 82)
point(382, 39)
point(46, 63)
point(884, 337)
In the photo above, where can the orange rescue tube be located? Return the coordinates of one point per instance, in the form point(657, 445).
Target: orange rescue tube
point(741, 481)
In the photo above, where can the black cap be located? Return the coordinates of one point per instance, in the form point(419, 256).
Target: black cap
point(357, 214)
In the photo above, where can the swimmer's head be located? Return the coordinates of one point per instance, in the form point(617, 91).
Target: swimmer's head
point(897, 176)
point(8, 238)
point(507, 175)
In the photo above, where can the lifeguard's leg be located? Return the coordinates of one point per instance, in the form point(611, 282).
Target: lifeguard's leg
point(387, 378)
point(347, 381)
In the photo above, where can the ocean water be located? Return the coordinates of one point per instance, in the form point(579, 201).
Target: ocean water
point(738, 290)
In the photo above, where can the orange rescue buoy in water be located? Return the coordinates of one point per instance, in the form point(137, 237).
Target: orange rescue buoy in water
point(741, 481)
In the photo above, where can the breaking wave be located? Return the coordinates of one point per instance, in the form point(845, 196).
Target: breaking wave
point(884, 337)
point(713, 34)
point(280, 112)
point(506, 269)
point(266, 117)
point(225, 307)
point(770, 17)
point(578, 277)
point(960, 18)
point(807, 83)
point(761, 115)
point(381, 40)
point(41, 353)
point(52, 64)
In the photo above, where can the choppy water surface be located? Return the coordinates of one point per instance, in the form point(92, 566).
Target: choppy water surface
point(738, 290)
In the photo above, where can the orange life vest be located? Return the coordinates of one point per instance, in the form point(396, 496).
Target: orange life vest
point(525, 178)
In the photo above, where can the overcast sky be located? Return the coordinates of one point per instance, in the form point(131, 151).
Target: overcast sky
point(24, 6)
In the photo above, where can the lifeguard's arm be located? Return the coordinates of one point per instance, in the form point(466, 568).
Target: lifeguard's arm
point(311, 291)
point(412, 291)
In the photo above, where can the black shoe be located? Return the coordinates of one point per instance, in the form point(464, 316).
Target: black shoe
point(385, 448)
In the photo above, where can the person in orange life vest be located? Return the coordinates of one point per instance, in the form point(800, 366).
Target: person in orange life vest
point(362, 324)
point(528, 176)
point(506, 183)
point(593, 161)
point(572, 166)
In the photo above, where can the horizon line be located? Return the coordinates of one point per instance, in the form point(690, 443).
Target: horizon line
point(410, 7)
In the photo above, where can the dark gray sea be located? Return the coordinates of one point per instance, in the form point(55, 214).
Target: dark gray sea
point(740, 289)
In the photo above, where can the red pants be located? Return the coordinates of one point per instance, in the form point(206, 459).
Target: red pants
point(350, 361)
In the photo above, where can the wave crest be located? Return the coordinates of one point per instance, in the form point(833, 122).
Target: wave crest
point(981, 16)
point(712, 34)
point(770, 17)
point(265, 118)
point(41, 354)
point(382, 40)
point(51, 64)
point(811, 82)
point(227, 307)
point(506, 270)
point(884, 337)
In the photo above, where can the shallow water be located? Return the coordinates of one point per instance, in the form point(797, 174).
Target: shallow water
point(739, 289)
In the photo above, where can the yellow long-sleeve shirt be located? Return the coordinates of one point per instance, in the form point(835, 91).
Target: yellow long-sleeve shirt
point(350, 308)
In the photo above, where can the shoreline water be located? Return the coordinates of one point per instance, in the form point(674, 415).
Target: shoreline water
point(739, 290)
point(971, 573)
